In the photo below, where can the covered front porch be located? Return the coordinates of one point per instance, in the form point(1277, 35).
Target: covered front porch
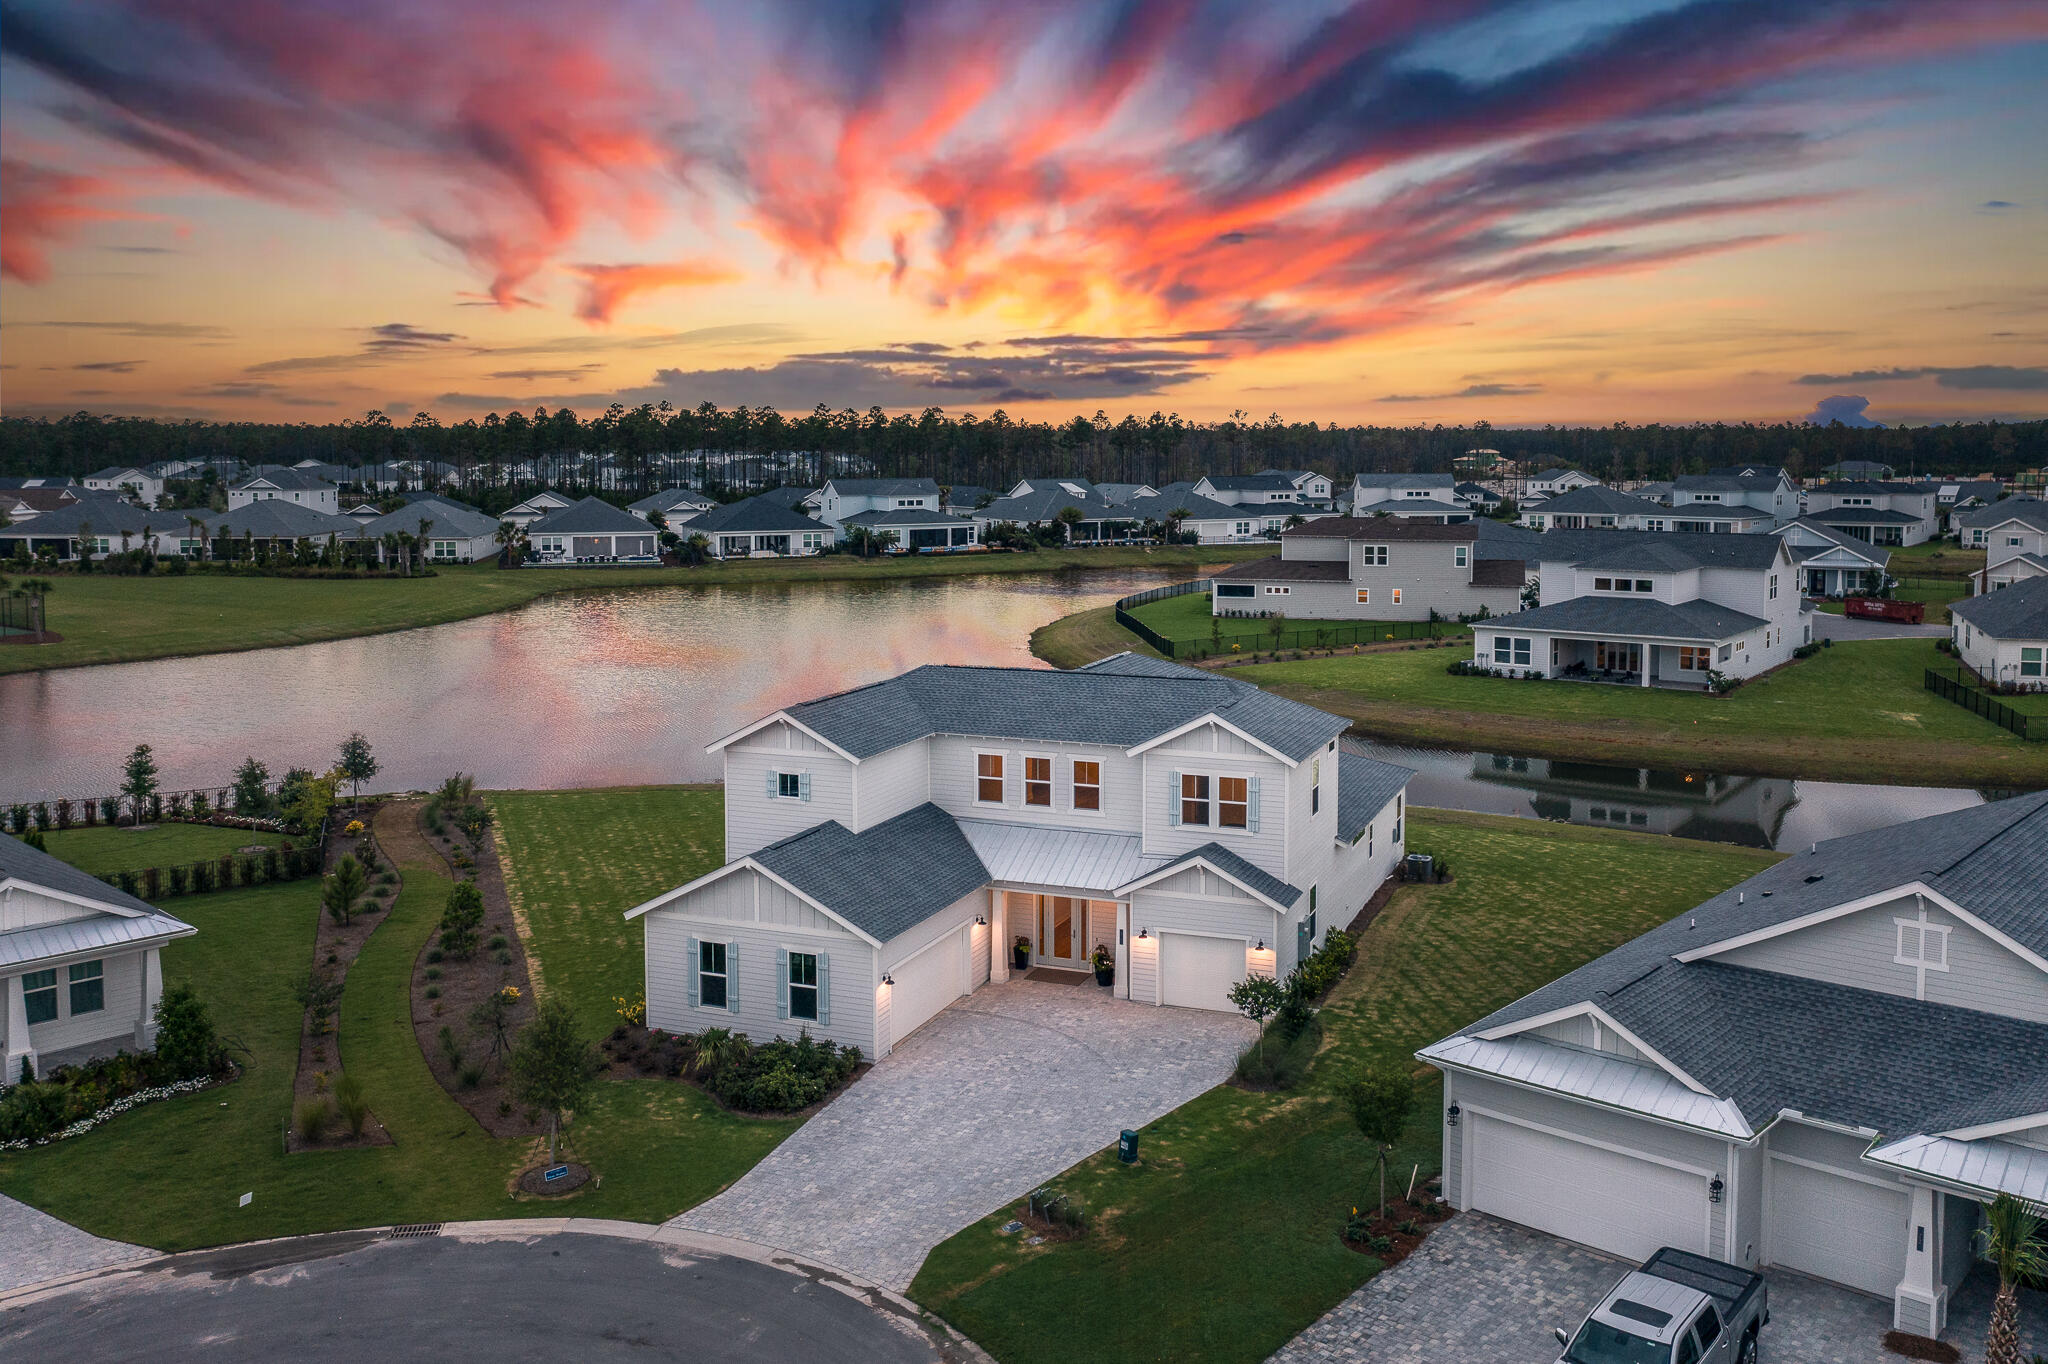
point(1049, 936)
point(1632, 662)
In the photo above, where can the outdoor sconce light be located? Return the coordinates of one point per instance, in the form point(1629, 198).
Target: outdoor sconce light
point(1451, 1116)
point(1714, 1190)
point(1261, 947)
point(890, 981)
point(981, 921)
point(1144, 933)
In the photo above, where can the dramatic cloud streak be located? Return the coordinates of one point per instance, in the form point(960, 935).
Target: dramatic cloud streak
point(2014, 378)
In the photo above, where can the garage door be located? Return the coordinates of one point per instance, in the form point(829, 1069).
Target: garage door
point(926, 983)
point(1584, 1193)
point(1197, 972)
point(1837, 1228)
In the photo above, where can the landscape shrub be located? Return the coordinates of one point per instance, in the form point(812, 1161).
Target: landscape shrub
point(110, 810)
point(176, 879)
point(152, 883)
point(311, 1117)
point(350, 1105)
point(1281, 1062)
point(251, 869)
point(17, 819)
point(460, 919)
point(780, 1076)
point(63, 814)
point(32, 1111)
point(187, 1046)
point(42, 814)
point(127, 881)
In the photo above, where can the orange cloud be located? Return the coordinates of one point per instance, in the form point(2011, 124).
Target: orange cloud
point(606, 288)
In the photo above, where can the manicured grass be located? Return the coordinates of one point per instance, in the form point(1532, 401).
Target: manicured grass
point(1084, 637)
point(1187, 618)
point(1935, 556)
point(1222, 1242)
point(1855, 712)
point(169, 1175)
point(106, 619)
point(103, 851)
point(576, 861)
point(1937, 595)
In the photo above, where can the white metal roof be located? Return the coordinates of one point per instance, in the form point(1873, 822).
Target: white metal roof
point(1591, 1076)
point(1988, 1164)
point(1075, 859)
point(95, 933)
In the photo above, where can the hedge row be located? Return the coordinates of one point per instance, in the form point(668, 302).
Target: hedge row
point(219, 873)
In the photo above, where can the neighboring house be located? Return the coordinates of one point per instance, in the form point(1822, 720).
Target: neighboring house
point(1896, 514)
point(963, 498)
point(112, 523)
point(16, 482)
point(320, 469)
point(1765, 490)
point(80, 974)
point(1858, 469)
point(25, 504)
point(1209, 521)
point(1652, 609)
point(1596, 508)
point(1555, 481)
point(1978, 492)
point(1372, 568)
point(1832, 564)
point(1419, 497)
point(524, 514)
point(1254, 492)
point(1314, 488)
point(761, 527)
point(841, 498)
point(2003, 635)
point(675, 505)
point(144, 487)
point(591, 531)
point(2007, 572)
point(270, 522)
point(1660, 492)
point(2020, 528)
point(1827, 1068)
point(1123, 493)
point(795, 497)
point(1039, 502)
point(1478, 497)
point(918, 531)
point(286, 485)
point(887, 847)
point(1973, 525)
point(459, 534)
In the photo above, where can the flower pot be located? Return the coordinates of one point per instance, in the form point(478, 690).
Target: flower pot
point(1020, 959)
point(1105, 976)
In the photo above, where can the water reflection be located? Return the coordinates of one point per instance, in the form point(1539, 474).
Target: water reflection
point(590, 689)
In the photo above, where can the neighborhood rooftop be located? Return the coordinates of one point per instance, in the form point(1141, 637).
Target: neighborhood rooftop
point(2016, 612)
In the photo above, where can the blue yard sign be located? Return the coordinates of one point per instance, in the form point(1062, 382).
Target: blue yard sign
point(555, 1173)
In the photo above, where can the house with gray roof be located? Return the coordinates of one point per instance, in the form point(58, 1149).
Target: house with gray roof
point(111, 524)
point(1256, 492)
point(963, 498)
point(529, 510)
point(1766, 492)
point(1554, 481)
point(1315, 489)
point(1827, 1068)
point(918, 530)
point(1651, 608)
point(675, 506)
point(1209, 521)
point(841, 498)
point(1896, 514)
point(1595, 507)
point(80, 974)
point(297, 487)
point(761, 527)
point(456, 532)
point(1039, 502)
point(2002, 634)
point(1374, 568)
point(591, 531)
point(138, 485)
point(896, 847)
point(276, 523)
point(2009, 533)
point(1832, 564)
point(1418, 497)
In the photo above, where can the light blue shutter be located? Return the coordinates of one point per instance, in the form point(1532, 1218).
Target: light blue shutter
point(1251, 814)
point(824, 991)
point(803, 786)
point(695, 958)
point(1173, 799)
point(732, 978)
point(782, 982)
point(771, 784)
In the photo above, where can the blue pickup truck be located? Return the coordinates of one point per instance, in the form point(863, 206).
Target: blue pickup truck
point(1678, 1308)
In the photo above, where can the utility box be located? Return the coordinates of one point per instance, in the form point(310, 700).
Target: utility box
point(1127, 1147)
point(1421, 867)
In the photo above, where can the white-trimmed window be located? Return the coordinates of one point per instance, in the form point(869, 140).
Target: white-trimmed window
point(1233, 802)
point(1374, 556)
point(814, 539)
point(1922, 944)
point(803, 985)
point(1464, 553)
point(1087, 784)
point(1694, 658)
point(1774, 587)
point(712, 975)
point(1277, 591)
point(789, 786)
point(1242, 528)
point(1365, 596)
point(88, 987)
point(1038, 781)
point(1397, 596)
point(1315, 786)
point(39, 991)
point(1194, 798)
point(988, 778)
point(2030, 663)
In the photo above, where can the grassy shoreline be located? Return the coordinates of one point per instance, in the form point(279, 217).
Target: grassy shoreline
point(107, 619)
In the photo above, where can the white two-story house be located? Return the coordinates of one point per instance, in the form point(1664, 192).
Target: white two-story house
point(1554, 482)
point(2014, 541)
point(138, 485)
point(1272, 491)
point(1416, 497)
point(294, 486)
point(844, 497)
point(1741, 500)
point(1895, 514)
point(1597, 507)
point(893, 848)
point(1652, 609)
point(1315, 489)
point(1828, 1068)
point(1380, 568)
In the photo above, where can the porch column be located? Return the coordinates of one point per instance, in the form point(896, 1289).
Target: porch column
point(151, 967)
point(18, 1045)
point(1649, 652)
point(1123, 950)
point(998, 939)
point(1920, 1306)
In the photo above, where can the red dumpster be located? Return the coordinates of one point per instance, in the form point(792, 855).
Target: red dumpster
point(1899, 612)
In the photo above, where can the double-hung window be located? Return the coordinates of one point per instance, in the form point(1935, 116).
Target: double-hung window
point(803, 985)
point(2030, 663)
point(88, 987)
point(1373, 556)
point(1397, 596)
point(790, 786)
point(988, 778)
point(1315, 786)
point(1364, 596)
point(39, 990)
point(1464, 553)
point(1194, 798)
point(711, 975)
point(1774, 587)
point(1087, 784)
point(1038, 781)
point(1233, 802)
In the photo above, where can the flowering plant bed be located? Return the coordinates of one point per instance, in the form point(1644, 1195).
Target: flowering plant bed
point(1393, 1238)
point(325, 1104)
point(78, 1127)
point(775, 1079)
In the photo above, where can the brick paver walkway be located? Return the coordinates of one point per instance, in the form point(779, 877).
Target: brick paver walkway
point(992, 1098)
point(35, 1247)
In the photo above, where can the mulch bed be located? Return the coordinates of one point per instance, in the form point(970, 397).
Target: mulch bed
point(465, 984)
point(1425, 1211)
point(633, 1051)
point(1920, 1347)
point(46, 637)
point(533, 1181)
point(335, 949)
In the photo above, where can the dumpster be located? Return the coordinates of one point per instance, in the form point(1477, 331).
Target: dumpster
point(1874, 608)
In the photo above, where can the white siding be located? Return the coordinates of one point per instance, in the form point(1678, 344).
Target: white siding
point(1216, 752)
point(953, 783)
point(113, 1024)
point(888, 784)
point(752, 819)
point(914, 940)
point(25, 907)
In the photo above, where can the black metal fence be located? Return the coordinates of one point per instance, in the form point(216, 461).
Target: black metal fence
point(1961, 690)
point(1325, 636)
point(20, 615)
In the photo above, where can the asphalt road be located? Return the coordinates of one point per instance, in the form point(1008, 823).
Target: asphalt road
point(357, 1298)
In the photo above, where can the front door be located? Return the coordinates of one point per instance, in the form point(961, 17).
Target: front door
point(1062, 930)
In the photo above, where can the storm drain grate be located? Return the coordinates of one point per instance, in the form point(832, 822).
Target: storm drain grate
point(416, 1229)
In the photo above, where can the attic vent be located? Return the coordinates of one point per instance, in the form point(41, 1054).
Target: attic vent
point(1767, 895)
point(1815, 877)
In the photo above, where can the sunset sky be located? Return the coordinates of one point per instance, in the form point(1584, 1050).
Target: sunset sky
point(1392, 212)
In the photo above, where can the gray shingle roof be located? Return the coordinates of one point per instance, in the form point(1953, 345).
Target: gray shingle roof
point(1862, 516)
point(18, 861)
point(1635, 616)
point(1107, 703)
point(1876, 554)
point(1278, 570)
point(1864, 485)
point(1890, 1063)
point(2029, 511)
point(754, 514)
point(1230, 864)
point(788, 496)
point(1045, 502)
point(451, 519)
point(1364, 786)
point(107, 515)
point(1183, 497)
point(1404, 481)
point(1600, 500)
point(275, 519)
point(1412, 506)
point(906, 516)
point(1251, 483)
point(884, 881)
point(1723, 483)
point(1388, 528)
point(292, 480)
point(2016, 612)
point(1555, 472)
point(668, 499)
point(590, 516)
point(884, 487)
point(1652, 549)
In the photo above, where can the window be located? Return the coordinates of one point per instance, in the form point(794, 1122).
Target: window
point(1645, 585)
point(1038, 781)
point(1365, 596)
point(1709, 1326)
point(2030, 663)
point(1374, 556)
point(803, 985)
point(1242, 528)
point(88, 987)
point(2012, 539)
point(1694, 658)
point(1087, 785)
point(1521, 653)
point(40, 990)
point(1277, 591)
point(1233, 802)
point(1397, 596)
point(814, 539)
point(988, 778)
point(1727, 651)
point(1603, 584)
point(1315, 786)
point(711, 974)
point(1235, 589)
point(1194, 799)
point(1503, 649)
point(1688, 1350)
point(1464, 553)
point(1774, 587)
point(789, 785)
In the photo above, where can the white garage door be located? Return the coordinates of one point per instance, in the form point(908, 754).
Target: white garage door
point(1837, 1228)
point(1588, 1194)
point(926, 983)
point(1197, 972)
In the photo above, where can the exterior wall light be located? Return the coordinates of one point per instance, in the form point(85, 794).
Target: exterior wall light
point(889, 981)
point(1714, 1190)
point(1451, 1116)
point(1261, 947)
point(1144, 933)
point(981, 921)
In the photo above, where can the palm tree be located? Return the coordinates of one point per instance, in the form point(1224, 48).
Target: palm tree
point(1174, 519)
point(426, 547)
point(84, 534)
point(695, 549)
point(2012, 1243)
point(198, 529)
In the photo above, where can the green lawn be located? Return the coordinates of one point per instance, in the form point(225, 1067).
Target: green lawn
point(1222, 1242)
point(169, 1174)
point(1936, 594)
point(1853, 712)
point(578, 860)
point(1935, 557)
point(106, 619)
point(1187, 618)
point(103, 851)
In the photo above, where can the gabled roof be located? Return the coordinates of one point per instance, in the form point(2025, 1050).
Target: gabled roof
point(965, 494)
point(34, 867)
point(1477, 493)
point(1279, 570)
point(788, 496)
point(1183, 497)
point(1364, 786)
point(2028, 511)
point(668, 499)
point(1387, 528)
point(1752, 472)
point(116, 471)
point(590, 516)
point(2016, 612)
point(883, 487)
point(755, 515)
point(1872, 486)
point(1725, 483)
point(106, 514)
point(284, 480)
point(1555, 472)
point(1403, 481)
point(1411, 507)
point(272, 519)
point(1249, 483)
point(1654, 550)
point(1862, 516)
point(885, 880)
point(1876, 554)
point(1635, 616)
point(906, 516)
point(451, 519)
point(1047, 500)
point(1227, 864)
point(1125, 492)
point(1599, 500)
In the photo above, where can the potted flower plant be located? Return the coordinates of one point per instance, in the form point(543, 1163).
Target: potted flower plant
point(1020, 954)
point(1104, 964)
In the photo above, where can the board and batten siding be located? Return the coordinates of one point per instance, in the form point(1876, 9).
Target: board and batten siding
point(954, 775)
point(754, 916)
point(1199, 901)
point(1216, 752)
point(887, 784)
point(753, 818)
point(1858, 950)
point(26, 907)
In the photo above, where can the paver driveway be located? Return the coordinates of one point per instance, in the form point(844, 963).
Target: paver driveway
point(35, 1247)
point(1483, 1291)
point(990, 1099)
